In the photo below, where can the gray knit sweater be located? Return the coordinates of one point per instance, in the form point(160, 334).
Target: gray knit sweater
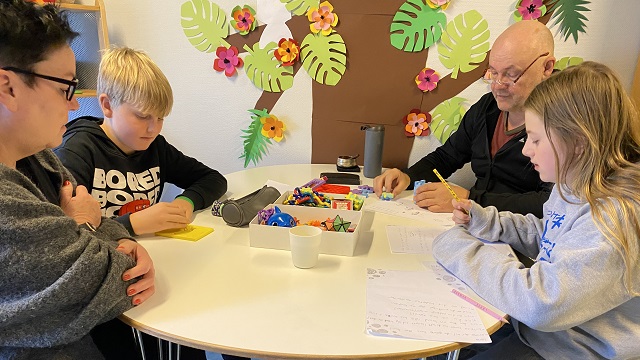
point(57, 281)
point(572, 303)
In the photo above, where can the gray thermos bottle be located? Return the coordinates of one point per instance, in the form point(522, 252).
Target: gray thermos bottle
point(373, 141)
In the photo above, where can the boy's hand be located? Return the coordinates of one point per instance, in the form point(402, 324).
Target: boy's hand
point(158, 217)
point(185, 205)
point(82, 208)
point(392, 180)
point(436, 197)
point(459, 217)
point(144, 271)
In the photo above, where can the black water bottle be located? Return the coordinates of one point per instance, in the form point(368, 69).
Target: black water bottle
point(373, 141)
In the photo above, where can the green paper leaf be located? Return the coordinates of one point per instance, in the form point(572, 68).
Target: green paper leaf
point(255, 144)
point(300, 7)
point(446, 118)
point(324, 57)
point(204, 24)
point(265, 71)
point(465, 43)
point(416, 26)
point(567, 61)
point(569, 15)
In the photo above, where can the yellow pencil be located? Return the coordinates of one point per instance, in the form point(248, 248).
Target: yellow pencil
point(453, 193)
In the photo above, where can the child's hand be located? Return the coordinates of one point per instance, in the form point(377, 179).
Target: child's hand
point(82, 207)
point(459, 208)
point(185, 205)
point(158, 217)
point(393, 181)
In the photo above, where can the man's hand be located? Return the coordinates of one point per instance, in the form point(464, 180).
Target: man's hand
point(393, 181)
point(435, 196)
point(82, 208)
point(158, 217)
point(144, 271)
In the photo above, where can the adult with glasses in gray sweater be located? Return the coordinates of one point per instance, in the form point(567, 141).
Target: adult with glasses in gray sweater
point(64, 268)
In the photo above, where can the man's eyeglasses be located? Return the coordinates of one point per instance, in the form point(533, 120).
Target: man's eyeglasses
point(492, 76)
point(70, 91)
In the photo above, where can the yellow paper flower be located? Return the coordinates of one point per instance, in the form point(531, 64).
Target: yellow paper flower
point(322, 19)
point(273, 128)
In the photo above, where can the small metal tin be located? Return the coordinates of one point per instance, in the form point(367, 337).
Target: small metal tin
point(347, 161)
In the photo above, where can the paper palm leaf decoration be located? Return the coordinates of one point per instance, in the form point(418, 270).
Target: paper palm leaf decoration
point(416, 26)
point(324, 57)
point(204, 24)
point(465, 43)
point(568, 14)
point(567, 61)
point(265, 71)
point(300, 7)
point(446, 118)
point(255, 144)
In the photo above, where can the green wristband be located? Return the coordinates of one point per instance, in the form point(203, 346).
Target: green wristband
point(187, 200)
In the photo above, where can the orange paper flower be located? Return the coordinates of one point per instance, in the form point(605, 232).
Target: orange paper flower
point(287, 51)
point(322, 19)
point(272, 128)
point(417, 123)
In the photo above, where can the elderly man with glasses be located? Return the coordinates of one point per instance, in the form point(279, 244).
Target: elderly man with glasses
point(491, 134)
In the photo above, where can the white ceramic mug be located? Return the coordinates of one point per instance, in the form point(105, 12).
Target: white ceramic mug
point(305, 245)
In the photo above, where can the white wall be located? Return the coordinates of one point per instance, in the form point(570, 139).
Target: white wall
point(211, 110)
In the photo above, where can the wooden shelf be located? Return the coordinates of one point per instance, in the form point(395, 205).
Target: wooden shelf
point(86, 93)
point(79, 7)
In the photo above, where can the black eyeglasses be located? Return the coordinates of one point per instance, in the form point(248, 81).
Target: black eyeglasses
point(491, 77)
point(73, 84)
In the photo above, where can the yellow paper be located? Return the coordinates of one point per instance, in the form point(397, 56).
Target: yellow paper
point(190, 232)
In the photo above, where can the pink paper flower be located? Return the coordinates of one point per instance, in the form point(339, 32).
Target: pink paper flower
point(227, 60)
point(530, 10)
point(417, 123)
point(427, 79)
point(322, 19)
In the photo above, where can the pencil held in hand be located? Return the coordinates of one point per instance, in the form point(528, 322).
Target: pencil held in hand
point(453, 193)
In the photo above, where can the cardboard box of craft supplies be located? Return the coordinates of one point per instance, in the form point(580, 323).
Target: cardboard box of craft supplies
point(340, 197)
point(333, 242)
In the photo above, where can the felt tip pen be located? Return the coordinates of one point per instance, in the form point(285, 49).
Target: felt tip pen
point(453, 193)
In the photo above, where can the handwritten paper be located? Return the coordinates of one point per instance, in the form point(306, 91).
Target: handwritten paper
point(412, 304)
point(412, 240)
point(404, 207)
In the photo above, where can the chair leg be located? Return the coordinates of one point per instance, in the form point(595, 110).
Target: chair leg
point(138, 339)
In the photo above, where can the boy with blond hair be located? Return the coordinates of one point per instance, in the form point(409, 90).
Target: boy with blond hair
point(124, 161)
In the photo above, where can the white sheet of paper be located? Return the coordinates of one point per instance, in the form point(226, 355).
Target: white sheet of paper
point(412, 240)
point(413, 304)
point(404, 207)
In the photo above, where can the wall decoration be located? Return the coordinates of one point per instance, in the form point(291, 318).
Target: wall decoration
point(243, 19)
point(227, 60)
point(442, 4)
point(322, 19)
point(204, 24)
point(447, 117)
point(287, 52)
point(416, 26)
point(324, 57)
point(529, 10)
point(265, 71)
point(416, 123)
point(569, 15)
point(465, 43)
point(567, 61)
point(427, 79)
point(262, 129)
point(300, 7)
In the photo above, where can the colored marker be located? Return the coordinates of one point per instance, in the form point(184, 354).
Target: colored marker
point(479, 306)
point(453, 193)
